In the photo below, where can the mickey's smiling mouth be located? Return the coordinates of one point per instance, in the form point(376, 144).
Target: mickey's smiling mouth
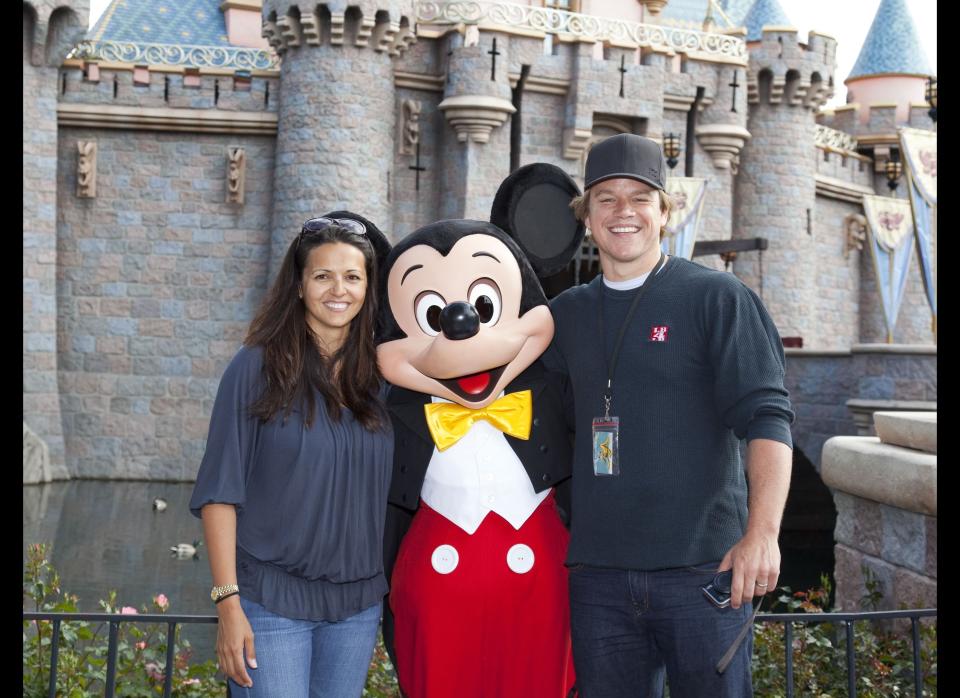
point(474, 387)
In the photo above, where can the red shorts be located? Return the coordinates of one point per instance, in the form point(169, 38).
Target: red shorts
point(484, 615)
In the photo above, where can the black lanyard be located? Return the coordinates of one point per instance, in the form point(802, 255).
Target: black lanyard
point(612, 366)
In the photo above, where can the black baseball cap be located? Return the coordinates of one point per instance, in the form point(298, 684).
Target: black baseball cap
point(626, 155)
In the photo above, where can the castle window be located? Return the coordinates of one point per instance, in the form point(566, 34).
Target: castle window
point(191, 77)
point(566, 5)
point(242, 80)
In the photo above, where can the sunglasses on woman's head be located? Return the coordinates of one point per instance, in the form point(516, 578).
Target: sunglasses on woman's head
point(316, 225)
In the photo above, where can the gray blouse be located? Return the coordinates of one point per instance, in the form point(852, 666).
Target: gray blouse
point(310, 502)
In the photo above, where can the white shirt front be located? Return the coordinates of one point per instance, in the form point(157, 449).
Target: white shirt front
point(480, 473)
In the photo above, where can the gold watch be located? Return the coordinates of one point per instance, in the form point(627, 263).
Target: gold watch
point(219, 592)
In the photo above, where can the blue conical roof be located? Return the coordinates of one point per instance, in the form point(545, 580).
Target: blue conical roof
point(892, 44)
point(736, 10)
point(764, 13)
point(690, 13)
point(184, 22)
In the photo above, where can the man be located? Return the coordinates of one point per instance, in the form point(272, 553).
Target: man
point(663, 393)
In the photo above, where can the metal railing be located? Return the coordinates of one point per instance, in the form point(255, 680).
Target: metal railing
point(225, 57)
point(848, 619)
point(114, 620)
point(788, 619)
point(513, 16)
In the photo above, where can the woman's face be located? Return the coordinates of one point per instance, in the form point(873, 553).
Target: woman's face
point(333, 288)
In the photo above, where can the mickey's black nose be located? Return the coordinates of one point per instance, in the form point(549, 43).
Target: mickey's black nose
point(459, 321)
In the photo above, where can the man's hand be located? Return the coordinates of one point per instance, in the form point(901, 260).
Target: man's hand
point(755, 560)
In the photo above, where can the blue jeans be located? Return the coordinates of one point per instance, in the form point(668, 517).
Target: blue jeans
point(308, 659)
point(632, 628)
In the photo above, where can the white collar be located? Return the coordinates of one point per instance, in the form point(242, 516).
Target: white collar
point(629, 284)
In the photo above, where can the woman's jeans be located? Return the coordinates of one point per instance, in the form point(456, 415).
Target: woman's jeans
point(631, 627)
point(308, 659)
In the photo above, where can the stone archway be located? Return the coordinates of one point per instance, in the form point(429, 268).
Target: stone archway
point(806, 534)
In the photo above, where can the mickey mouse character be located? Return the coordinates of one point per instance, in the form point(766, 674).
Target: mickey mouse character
point(475, 540)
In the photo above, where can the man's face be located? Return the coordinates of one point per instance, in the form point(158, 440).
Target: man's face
point(625, 220)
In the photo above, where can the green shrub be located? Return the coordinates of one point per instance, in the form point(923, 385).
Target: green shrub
point(883, 659)
point(141, 648)
point(82, 663)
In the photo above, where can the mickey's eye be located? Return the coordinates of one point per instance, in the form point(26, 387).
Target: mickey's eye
point(427, 310)
point(485, 297)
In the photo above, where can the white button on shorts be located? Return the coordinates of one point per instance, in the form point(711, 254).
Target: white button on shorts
point(520, 558)
point(445, 559)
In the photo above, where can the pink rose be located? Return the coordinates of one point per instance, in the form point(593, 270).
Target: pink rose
point(128, 611)
point(153, 671)
point(142, 645)
point(162, 601)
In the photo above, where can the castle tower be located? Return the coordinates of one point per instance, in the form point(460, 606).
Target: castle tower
point(476, 106)
point(336, 112)
point(50, 29)
point(775, 190)
point(892, 66)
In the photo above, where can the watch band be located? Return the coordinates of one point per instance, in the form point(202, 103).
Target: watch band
point(218, 593)
point(227, 596)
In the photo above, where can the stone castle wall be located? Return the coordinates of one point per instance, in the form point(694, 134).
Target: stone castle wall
point(49, 30)
point(135, 300)
point(157, 279)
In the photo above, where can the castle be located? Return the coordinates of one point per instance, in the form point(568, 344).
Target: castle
point(171, 152)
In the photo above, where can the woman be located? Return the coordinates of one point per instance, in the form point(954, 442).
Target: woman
point(293, 485)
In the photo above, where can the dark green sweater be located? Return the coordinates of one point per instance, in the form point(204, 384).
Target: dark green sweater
point(683, 403)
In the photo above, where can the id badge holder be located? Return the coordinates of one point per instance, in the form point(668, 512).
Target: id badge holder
point(606, 446)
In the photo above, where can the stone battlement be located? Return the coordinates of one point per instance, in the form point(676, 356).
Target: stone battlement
point(784, 70)
point(88, 83)
point(880, 118)
point(367, 25)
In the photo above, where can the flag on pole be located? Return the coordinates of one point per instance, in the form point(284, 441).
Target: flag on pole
point(890, 227)
point(688, 194)
point(920, 154)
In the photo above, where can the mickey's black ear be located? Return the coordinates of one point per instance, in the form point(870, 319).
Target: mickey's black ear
point(533, 207)
point(381, 246)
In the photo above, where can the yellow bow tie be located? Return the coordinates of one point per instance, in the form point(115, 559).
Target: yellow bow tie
point(449, 422)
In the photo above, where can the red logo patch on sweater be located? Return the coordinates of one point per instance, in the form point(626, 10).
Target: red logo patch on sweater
point(658, 333)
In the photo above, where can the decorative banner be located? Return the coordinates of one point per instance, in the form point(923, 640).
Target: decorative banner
point(688, 194)
point(920, 153)
point(891, 228)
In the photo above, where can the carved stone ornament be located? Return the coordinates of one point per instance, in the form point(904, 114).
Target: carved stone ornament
point(87, 169)
point(855, 227)
point(410, 113)
point(236, 175)
point(473, 117)
point(36, 458)
point(723, 142)
point(825, 137)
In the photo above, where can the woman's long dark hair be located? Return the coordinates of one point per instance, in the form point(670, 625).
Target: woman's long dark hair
point(293, 364)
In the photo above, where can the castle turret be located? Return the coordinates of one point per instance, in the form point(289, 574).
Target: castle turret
point(787, 81)
point(336, 113)
point(50, 29)
point(477, 107)
point(892, 66)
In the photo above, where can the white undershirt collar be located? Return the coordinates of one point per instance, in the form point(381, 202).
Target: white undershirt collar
point(628, 284)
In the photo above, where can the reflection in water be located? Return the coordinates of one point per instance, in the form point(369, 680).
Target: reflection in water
point(106, 535)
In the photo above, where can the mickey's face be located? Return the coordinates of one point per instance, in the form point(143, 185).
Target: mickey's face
point(465, 337)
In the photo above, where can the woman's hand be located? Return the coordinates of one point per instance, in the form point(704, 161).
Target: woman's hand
point(234, 638)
